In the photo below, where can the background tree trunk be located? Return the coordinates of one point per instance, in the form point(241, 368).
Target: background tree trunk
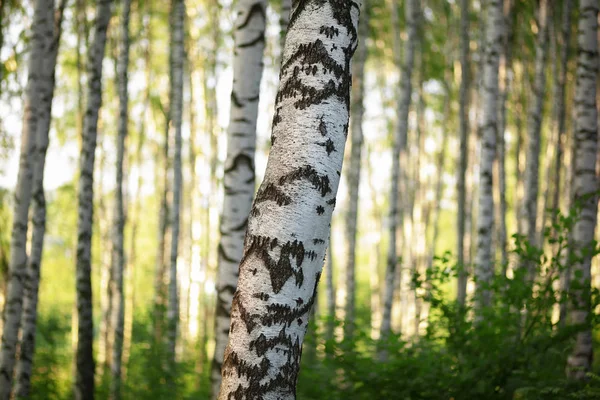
point(534, 127)
point(412, 13)
point(29, 318)
point(585, 185)
point(177, 57)
point(118, 310)
point(357, 111)
point(461, 189)
point(239, 179)
point(34, 110)
point(288, 226)
point(84, 379)
point(484, 268)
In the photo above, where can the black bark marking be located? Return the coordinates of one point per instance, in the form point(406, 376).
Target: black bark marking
point(320, 210)
point(329, 146)
point(281, 270)
point(320, 182)
point(273, 193)
point(245, 316)
point(331, 202)
point(318, 241)
point(329, 31)
point(256, 8)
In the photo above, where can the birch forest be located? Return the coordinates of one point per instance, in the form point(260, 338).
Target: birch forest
point(299, 199)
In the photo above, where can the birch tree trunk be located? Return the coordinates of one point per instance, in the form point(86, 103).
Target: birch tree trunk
point(461, 189)
point(36, 102)
point(330, 295)
point(118, 310)
point(585, 185)
point(29, 317)
point(239, 178)
point(42, 31)
point(284, 21)
point(84, 379)
point(177, 56)
point(534, 127)
point(288, 226)
point(484, 267)
point(411, 11)
point(505, 81)
point(163, 223)
point(357, 110)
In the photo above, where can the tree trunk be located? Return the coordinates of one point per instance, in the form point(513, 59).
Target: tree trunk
point(118, 310)
point(411, 11)
point(561, 126)
point(585, 185)
point(177, 56)
point(505, 83)
point(42, 28)
point(534, 127)
point(284, 20)
point(84, 380)
point(461, 189)
point(484, 268)
point(29, 317)
point(289, 223)
point(330, 295)
point(239, 178)
point(357, 111)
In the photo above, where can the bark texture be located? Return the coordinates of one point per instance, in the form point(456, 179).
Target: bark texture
point(411, 11)
point(357, 111)
point(177, 57)
point(585, 185)
point(84, 374)
point(29, 318)
point(35, 101)
point(118, 251)
point(239, 178)
point(461, 188)
point(505, 83)
point(289, 222)
point(484, 267)
point(534, 126)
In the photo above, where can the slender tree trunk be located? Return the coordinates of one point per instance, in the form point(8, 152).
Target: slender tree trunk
point(118, 309)
point(84, 379)
point(289, 223)
point(461, 190)
point(239, 179)
point(177, 57)
point(561, 126)
point(534, 127)
point(284, 20)
point(42, 28)
point(29, 317)
point(505, 84)
point(484, 268)
point(411, 11)
point(357, 111)
point(163, 218)
point(330, 295)
point(585, 185)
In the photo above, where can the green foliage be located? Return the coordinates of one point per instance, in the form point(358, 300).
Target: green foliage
point(513, 349)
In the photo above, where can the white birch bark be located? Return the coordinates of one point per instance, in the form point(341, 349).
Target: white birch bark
point(505, 84)
point(411, 11)
point(534, 126)
point(239, 178)
point(484, 267)
point(357, 111)
point(177, 57)
point(42, 30)
point(461, 189)
point(29, 318)
point(585, 185)
point(288, 226)
point(118, 310)
point(84, 375)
